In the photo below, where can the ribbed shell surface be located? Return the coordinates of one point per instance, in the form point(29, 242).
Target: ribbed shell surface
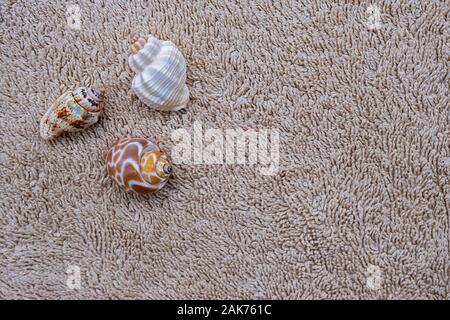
point(160, 80)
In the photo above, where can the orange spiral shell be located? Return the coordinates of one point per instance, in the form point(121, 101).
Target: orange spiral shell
point(138, 165)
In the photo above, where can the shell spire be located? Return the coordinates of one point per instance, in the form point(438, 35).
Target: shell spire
point(160, 67)
point(137, 43)
point(73, 111)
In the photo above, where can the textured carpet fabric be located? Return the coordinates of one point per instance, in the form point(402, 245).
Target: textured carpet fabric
point(358, 209)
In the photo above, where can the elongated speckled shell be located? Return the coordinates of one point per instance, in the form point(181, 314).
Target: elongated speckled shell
point(73, 111)
point(138, 165)
point(160, 67)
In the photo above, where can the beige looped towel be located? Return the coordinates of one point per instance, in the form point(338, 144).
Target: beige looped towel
point(358, 209)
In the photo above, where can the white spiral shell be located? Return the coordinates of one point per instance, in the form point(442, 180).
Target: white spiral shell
point(160, 80)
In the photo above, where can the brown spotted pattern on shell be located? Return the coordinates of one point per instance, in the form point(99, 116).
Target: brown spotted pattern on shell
point(73, 111)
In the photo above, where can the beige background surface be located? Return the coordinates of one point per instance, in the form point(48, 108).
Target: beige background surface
point(364, 180)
